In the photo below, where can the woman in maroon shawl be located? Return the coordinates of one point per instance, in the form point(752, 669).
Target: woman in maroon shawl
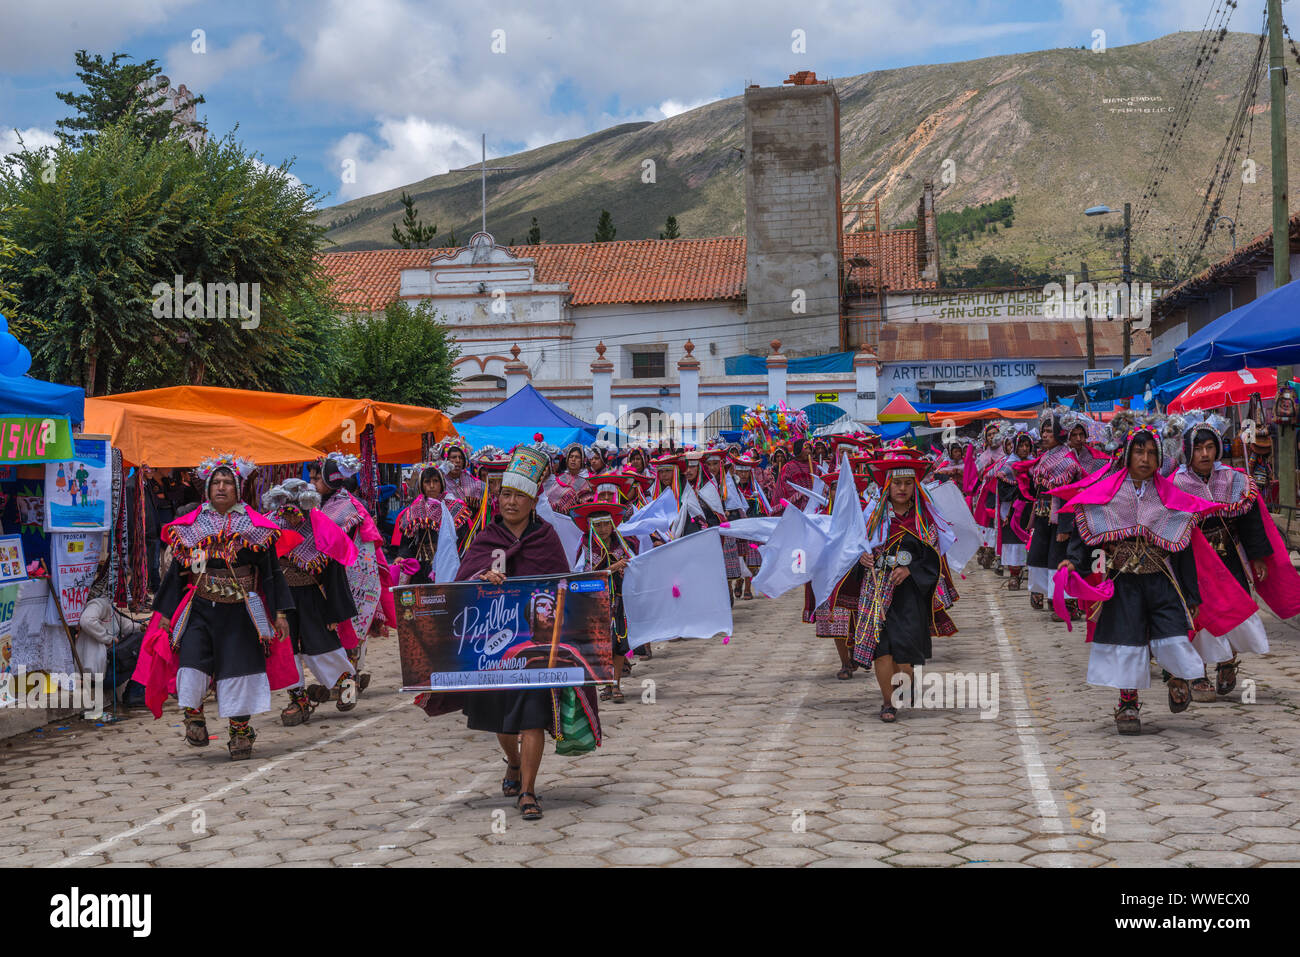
point(516, 543)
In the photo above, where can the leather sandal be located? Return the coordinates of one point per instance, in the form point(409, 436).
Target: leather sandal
point(1225, 676)
point(510, 785)
point(241, 741)
point(1175, 705)
point(888, 713)
point(345, 693)
point(1127, 720)
point(1203, 691)
point(530, 810)
point(299, 710)
point(1036, 601)
point(196, 728)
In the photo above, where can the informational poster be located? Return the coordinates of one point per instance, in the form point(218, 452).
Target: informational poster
point(531, 632)
point(74, 557)
point(13, 566)
point(8, 603)
point(79, 490)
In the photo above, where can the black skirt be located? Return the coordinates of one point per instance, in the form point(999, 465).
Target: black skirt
point(1040, 544)
point(508, 712)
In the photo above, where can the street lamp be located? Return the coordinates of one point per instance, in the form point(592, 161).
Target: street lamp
point(1128, 274)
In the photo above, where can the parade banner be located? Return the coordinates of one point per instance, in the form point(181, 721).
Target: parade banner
point(26, 439)
point(8, 604)
point(75, 558)
point(533, 632)
point(78, 489)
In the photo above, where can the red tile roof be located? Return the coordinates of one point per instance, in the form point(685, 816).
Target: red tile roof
point(635, 271)
point(897, 267)
point(1030, 339)
point(643, 270)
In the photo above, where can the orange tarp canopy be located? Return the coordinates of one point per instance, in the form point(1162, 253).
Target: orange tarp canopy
point(319, 422)
point(959, 419)
point(168, 438)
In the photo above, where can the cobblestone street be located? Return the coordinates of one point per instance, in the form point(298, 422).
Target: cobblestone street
point(749, 753)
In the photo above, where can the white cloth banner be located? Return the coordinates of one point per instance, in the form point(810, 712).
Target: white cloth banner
point(792, 551)
point(678, 590)
point(655, 516)
point(446, 562)
point(565, 527)
point(959, 535)
point(847, 539)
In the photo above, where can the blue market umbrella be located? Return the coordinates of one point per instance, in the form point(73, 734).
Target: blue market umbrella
point(1264, 333)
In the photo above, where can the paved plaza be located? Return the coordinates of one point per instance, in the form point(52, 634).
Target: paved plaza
point(737, 754)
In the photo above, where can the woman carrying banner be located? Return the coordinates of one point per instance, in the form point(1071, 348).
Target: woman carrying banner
point(1145, 525)
point(314, 569)
point(216, 606)
point(604, 549)
point(1015, 509)
point(516, 543)
point(418, 525)
point(905, 589)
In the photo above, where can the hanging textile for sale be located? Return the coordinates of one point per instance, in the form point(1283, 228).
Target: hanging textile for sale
point(368, 478)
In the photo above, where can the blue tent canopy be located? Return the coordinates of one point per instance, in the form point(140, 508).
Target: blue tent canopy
point(522, 416)
point(23, 395)
point(1029, 398)
point(1135, 383)
point(1264, 333)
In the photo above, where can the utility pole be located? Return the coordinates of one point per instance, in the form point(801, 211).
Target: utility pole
point(1281, 230)
point(1087, 318)
point(1128, 285)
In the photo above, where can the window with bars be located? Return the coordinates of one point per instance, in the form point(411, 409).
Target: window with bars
point(648, 365)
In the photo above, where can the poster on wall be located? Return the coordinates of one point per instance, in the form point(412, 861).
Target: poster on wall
point(74, 558)
point(79, 490)
point(13, 566)
point(529, 632)
point(8, 605)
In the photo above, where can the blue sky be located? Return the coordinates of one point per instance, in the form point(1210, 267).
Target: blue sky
point(402, 89)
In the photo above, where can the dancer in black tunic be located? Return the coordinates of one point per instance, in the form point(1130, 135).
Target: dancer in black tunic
point(226, 584)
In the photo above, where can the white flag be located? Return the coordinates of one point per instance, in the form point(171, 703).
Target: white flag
point(446, 562)
point(848, 536)
point(792, 551)
point(688, 507)
point(959, 535)
point(565, 527)
point(656, 516)
point(678, 590)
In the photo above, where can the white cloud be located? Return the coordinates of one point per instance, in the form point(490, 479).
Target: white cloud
point(407, 150)
point(43, 35)
point(671, 108)
point(33, 138)
point(202, 71)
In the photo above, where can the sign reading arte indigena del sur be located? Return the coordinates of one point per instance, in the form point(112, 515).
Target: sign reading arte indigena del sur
point(26, 439)
point(530, 632)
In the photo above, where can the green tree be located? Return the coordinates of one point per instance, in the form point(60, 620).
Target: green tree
point(605, 230)
point(670, 229)
point(534, 233)
point(117, 91)
point(403, 355)
point(105, 230)
point(414, 234)
point(9, 250)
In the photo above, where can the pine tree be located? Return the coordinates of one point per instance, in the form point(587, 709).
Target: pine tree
point(670, 229)
point(416, 235)
point(605, 230)
point(534, 233)
point(117, 90)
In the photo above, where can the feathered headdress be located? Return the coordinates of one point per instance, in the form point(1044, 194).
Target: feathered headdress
point(240, 468)
point(442, 448)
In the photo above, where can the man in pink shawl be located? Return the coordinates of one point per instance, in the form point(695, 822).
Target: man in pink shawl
point(1145, 525)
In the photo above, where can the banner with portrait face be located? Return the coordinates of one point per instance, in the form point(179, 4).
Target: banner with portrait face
point(529, 632)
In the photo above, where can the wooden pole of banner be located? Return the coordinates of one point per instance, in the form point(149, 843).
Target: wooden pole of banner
point(559, 620)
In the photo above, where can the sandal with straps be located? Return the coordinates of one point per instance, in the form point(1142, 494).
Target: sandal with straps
point(1127, 720)
point(888, 713)
point(1225, 676)
point(510, 786)
point(530, 810)
point(1179, 704)
point(196, 728)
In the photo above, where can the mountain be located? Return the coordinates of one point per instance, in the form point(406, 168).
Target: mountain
point(1056, 129)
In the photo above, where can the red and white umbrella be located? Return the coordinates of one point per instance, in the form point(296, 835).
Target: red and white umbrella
point(1217, 389)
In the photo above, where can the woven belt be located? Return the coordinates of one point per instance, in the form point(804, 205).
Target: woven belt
point(219, 585)
point(295, 576)
point(1136, 557)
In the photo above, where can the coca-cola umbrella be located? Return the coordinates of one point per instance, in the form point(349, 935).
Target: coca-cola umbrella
point(1217, 389)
